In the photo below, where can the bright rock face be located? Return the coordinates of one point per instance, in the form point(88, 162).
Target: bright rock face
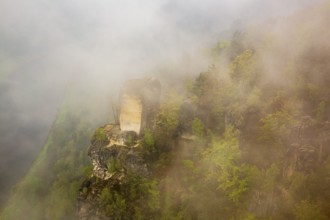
point(139, 100)
point(131, 113)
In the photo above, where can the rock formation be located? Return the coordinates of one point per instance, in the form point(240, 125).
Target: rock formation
point(118, 146)
point(116, 150)
point(139, 100)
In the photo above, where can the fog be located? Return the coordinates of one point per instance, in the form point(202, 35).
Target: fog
point(44, 45)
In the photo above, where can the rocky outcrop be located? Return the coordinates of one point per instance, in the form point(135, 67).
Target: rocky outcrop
point(114, 154)
point(116, 151)
point(122, 148)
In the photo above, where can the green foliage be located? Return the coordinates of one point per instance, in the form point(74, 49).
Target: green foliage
point(167, 121)
point(49, 190)
point(306, 210)
point(223, 165)
point(198, 127)
point(130, 141)
point(320, 112)
point(114, 165)
point(254, 98)
point(224, 152)
point(188, 164)
point(189, 86)
point(105, 196)
point(149, 141)
point(276, 125)
point(243, 68)
point(200, 86)
point(114, 204)
point(223, 44)
point(168, 209)
point(100, 136)
point(168, 116)
point(137, 197)
point(271, 175)
point(88, 170)
point(250, 217)
point(235, 181)
point(258, 125)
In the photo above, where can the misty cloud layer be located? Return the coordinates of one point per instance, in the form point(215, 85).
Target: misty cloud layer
point(120, 39)
point(46, 44)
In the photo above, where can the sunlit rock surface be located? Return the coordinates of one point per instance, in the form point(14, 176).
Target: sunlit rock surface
point(139, 100)
point(131, 113)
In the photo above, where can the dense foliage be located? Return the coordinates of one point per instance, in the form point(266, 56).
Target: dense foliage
point(260, 144)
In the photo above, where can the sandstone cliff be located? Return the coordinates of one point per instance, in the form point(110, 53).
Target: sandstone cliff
point(139, 100)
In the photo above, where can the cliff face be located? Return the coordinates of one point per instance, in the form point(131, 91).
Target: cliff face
point(131, 113)
point(116, 155)
point(139, 100)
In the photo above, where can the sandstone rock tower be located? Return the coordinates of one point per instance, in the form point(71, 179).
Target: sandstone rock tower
point(139, 100)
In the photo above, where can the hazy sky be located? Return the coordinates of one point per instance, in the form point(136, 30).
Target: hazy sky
point(45, 44)
point(119, 39)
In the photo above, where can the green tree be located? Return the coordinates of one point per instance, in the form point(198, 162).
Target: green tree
point(320, 112)
point(100, 136)
point(198, 127)
point(223, 165)
point(306, 210)
point(276, 126)
point(243, 68)
point(167, 120)
point(113, 165)
point(149, 141)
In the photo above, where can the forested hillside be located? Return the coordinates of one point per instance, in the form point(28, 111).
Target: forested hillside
point(262, 128)
point(49, 190)
point(248, 138)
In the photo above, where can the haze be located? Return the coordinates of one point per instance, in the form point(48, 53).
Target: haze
point(46, 44)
